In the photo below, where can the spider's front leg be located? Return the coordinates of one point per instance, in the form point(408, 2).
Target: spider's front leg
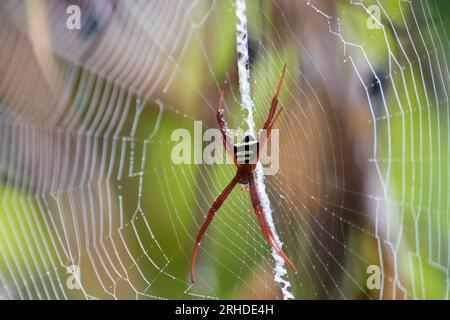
point(259, 211)
point(272, 117)
point(216, 205)
point(274, 104)
point(227, 142)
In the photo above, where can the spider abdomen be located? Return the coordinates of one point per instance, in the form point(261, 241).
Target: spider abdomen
point(246, 152)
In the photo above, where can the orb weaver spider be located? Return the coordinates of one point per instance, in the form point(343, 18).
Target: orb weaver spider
point(245, 157)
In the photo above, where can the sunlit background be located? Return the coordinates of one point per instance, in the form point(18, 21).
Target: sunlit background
point(93, 207)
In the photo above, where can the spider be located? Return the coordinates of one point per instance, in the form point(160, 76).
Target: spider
point(245, 157)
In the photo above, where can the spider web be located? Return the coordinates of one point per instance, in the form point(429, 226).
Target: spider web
point(93, 207)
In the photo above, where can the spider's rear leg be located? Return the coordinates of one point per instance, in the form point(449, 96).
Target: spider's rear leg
point(256, 202)
point(212, 211)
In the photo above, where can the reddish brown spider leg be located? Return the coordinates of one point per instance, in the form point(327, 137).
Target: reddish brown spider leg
point(223, 127)
point(274, 104)
point(256, 202)
point(269, 129)
point(216, 205)
point(266, 133)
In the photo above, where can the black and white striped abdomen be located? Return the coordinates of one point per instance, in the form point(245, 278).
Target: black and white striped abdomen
point(246, 152)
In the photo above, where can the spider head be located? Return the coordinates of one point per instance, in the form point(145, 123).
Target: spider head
point(248, 138)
